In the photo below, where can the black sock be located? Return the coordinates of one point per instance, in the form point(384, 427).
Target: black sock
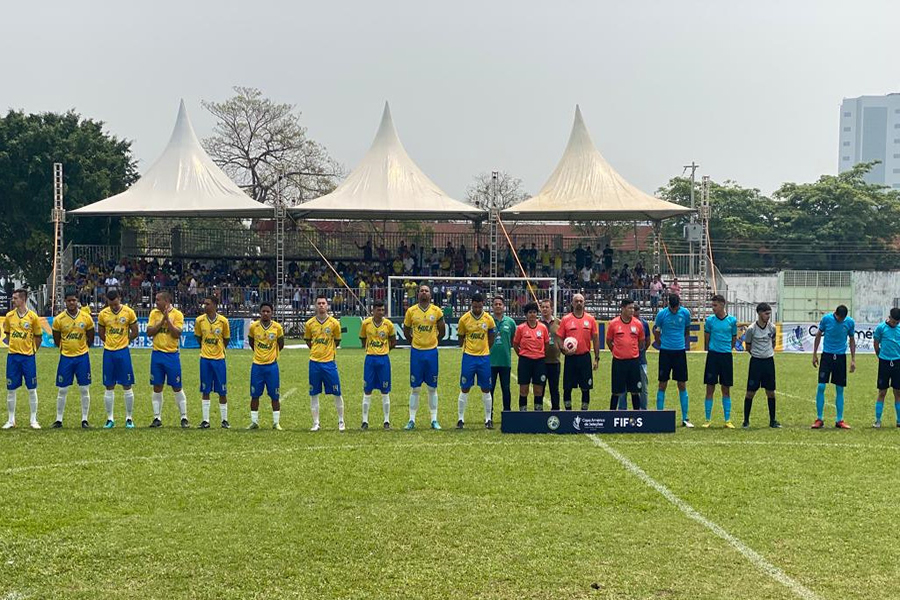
point(748, 404)
point(771, 409)
point(539, 402)
point(567, 399)
point(614, 402)
point(585, 399)
point(523, 401)
point(635, 402)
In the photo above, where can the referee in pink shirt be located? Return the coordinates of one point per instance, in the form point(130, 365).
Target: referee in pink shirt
point(530, 343)
point(624, 337)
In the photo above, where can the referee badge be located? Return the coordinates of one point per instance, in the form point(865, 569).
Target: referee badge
point(586, 324)
point(538, 333)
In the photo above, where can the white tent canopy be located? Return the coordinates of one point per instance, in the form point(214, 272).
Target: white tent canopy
point(387, 185)
point(585, 187)
point(183, 182)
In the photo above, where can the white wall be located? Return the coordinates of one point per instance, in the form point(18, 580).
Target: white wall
point(753, 288)
point(873, 294)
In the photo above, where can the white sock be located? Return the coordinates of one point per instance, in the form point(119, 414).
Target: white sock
point(223, 411)
point(413, 403)
point(11, 405)
point(181, 401)
point(254, 416)
point(339, 407)
point(463, 401)
point(367, 401)
point(156, 399)
point(61, 402)
point(314, 408)
point(433, 402)
point(85, 401)
point(32, 401)
point(129, 403)
point(205, 407)
point(276, 417)
point(488, 406)
point(109, 400)
point(386, 407)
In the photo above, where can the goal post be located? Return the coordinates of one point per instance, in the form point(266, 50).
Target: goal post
point(454, 294)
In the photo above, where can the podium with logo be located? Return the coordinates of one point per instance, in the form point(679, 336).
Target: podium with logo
point(588, 421)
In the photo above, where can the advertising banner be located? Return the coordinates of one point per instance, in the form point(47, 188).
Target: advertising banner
point(799, 337)
point(589, 421)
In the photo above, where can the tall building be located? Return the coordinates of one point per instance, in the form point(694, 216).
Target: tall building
point(870, 130)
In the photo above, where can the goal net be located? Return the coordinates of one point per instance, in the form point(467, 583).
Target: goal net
point(454, 294)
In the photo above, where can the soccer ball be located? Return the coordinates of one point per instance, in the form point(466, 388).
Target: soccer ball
point(570, 344)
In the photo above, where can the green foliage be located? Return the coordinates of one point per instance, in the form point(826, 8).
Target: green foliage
point(95, 165)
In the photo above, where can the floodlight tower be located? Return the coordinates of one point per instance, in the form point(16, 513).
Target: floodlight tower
point(58, 217)
point(493, 217)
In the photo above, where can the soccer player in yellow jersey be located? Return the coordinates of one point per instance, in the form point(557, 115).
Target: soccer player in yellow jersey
point(73, 333)
point(213, 332)
point(323, 336)
point(378, 338)
point(267, 341)
point(164, 327)
point(424, 326)
point(476, 331)
point(22, 333)
point(117, 327)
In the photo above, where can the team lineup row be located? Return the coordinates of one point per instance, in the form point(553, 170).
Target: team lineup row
point(487, 341)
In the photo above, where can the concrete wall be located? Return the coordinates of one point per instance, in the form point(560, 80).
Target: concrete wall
point(753, 288)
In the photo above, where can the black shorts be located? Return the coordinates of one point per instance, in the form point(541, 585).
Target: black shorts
point(531, 371)
point(888, 374)
point(833, 367)
point(674, 362)
point(578, 372)
point(761, 374)
point(626, 376)
point(719, 369)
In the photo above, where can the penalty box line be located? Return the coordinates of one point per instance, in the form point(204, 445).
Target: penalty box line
point(800, 590)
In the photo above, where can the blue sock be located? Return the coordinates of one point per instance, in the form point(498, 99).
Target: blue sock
point(707, 406)
point(897, 410)
point(726, 406)
point(879, 409)
point(839, 402)
point(661, 400)
point(683, 398)
point(820, 401)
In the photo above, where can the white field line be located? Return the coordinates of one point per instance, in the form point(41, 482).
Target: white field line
point(836, 445)
point(813, 400)
point(281, 450)
point(288, 393)
point(754, 557)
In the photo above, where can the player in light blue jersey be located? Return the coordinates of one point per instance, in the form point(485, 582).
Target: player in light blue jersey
point(672, 330)
point(838, 330)
point(720, 333)
point(887, 347)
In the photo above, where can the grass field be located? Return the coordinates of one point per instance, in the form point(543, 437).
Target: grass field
point(474, 514)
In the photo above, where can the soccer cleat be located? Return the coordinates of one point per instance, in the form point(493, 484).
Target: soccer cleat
point(109, 424)
point(489, 424)
point(706, 425)
point(460, 424)
point(841, 425)
point(11, 424)
point(745, 425)
point(409, 426)
point(85, 425)
point(56, 425)
point(568, 406)
point(203, 425)
point(898, 423)
point(387, 424)
point(253, 425)
point(185, 423)
point(341, 426)
point(364, 426)
point(688, 424)
point(156, 424)
point(538, 408)
point(818, 424)
point(774, 424)
point(524, 409)
point(435, 425)
point(277, 427)
point(315, 427)
point(226, 425)
point(729, 425)
point(35, 425)
point(876, 425)
point(129, 424)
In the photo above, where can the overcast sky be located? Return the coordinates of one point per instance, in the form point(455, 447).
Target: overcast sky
point(750, 90)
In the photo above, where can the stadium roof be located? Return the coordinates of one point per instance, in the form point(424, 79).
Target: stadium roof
point(183, 182)
point(387, 185)
point(585, 187)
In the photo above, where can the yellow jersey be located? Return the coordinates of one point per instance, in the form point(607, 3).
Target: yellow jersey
point(213, 336)
point(377, 337)
point(21, 331)
point(476, 331)
point(116, 325)
point(73, 332)
point(265, 342)
point(162, 341)
point(321, 338)
point(424, 325)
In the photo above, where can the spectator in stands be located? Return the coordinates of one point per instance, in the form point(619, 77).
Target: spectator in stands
point(656, 290)
point(608, 257)
point(675, 288)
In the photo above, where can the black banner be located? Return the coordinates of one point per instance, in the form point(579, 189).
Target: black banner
point(589, 421)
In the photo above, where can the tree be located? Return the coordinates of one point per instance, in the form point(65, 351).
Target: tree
point(96, 165)
point(254, 137)
point(509, 191)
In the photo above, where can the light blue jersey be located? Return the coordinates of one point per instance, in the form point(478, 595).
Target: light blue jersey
point(888, 339)
point(721, 332)
point(672, 327)
point(835, 334)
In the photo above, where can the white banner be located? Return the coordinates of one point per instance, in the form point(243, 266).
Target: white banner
point(799, 337)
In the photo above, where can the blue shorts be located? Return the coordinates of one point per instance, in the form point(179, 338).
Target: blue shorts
point(19, 367)
point(475, 367)
point(165, 367)
point(265, 378)
point(377, 373)
point(423, 367)
point(323, 376)
point(117, 369)
point(213, 377)
point(73, 367)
